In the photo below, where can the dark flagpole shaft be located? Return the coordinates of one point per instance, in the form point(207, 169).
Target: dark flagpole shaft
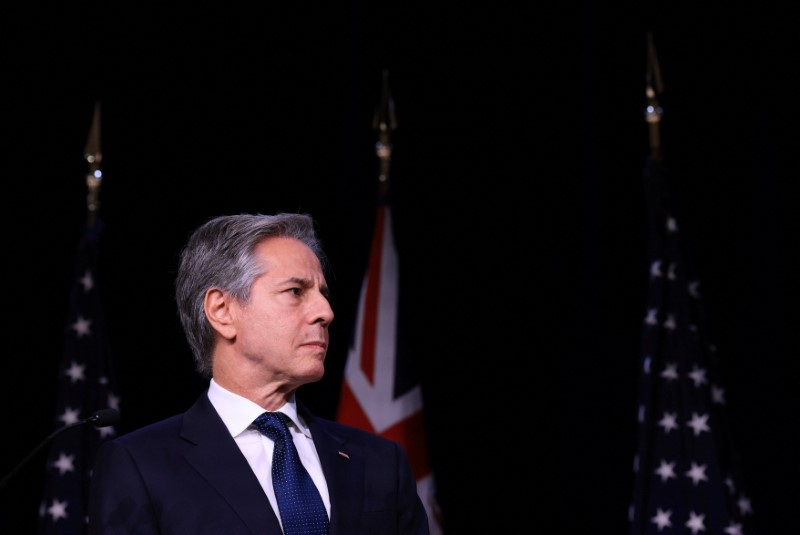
point(93, 156)
point(384, 122)
point(653, 88)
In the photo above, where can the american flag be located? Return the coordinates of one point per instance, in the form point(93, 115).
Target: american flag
point(379, 392)
point(687, 474)
point(85, 385)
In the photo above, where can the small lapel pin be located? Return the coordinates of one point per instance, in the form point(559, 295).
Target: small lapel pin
point(343, 454)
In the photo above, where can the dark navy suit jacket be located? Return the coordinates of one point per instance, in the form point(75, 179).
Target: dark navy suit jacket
point(186, 475)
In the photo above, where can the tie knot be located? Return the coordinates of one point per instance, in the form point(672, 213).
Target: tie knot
point(273, 425)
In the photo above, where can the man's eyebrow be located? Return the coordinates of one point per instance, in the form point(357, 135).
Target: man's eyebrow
point(305, 283)
point(308, 283)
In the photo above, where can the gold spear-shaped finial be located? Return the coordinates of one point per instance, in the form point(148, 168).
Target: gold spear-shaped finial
point(653, 88)
point(94, 176)
point(384, 121)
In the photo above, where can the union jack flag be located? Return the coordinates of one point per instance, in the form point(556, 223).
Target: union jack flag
point(379, 392)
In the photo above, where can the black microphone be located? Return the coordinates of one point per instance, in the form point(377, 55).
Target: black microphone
point(101, 418)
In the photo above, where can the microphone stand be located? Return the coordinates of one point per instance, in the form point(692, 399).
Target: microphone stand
point(101, 418)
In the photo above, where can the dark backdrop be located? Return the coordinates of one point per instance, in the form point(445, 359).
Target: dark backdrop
point(518, 214)
point(247, 108)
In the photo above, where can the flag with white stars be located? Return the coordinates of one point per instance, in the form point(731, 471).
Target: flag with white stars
point(85, 385)
point(687, 477)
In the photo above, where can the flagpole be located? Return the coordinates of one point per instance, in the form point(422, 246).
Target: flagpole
point(654, 86)
point(370, 398)
point(93, 156)
point(686, 472)
point(86, 378)
point(384, 121)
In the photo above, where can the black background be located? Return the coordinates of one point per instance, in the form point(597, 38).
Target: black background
point(518, 210)
point(246, 108)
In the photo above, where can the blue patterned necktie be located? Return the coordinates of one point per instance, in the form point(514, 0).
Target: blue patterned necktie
point(301, 508)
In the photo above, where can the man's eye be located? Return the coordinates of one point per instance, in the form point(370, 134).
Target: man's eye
point(295, 291)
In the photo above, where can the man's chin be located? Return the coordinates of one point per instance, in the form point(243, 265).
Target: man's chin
point(314, 373)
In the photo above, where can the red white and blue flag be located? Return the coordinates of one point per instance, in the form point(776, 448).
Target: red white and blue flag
point(86, 384)
point(379, 391)
point(688, 477)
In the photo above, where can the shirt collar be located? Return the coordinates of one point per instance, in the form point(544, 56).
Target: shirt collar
point(238, 413)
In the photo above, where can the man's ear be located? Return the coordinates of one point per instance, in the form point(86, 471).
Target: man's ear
point(217, 305)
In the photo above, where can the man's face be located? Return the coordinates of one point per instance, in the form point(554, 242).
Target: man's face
point(283, 329)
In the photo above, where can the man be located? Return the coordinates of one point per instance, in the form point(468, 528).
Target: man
point(253, 302)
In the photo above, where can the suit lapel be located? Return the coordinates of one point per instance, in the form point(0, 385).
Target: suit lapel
point(214, 454)
point(344, 474)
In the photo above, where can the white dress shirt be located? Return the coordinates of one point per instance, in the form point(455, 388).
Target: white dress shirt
point(238, 413)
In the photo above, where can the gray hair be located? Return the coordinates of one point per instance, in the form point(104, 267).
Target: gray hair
point(220, 254)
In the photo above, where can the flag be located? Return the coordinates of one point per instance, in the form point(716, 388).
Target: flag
point(687, 473)
point(379, 392)
point(85, 385)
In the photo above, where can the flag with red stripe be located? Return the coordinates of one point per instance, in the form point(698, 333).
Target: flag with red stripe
point(379, 391)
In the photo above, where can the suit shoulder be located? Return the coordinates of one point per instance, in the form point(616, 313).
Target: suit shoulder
point(352, 433)
point(168, 427)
